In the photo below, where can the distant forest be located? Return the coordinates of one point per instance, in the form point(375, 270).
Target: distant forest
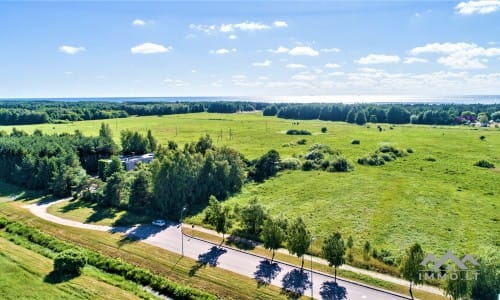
point(37, 112)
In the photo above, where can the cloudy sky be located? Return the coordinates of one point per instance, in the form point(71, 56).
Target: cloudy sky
point(263, 48)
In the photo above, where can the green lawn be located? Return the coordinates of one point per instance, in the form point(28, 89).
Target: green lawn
point(445, 204)
point(23, 272)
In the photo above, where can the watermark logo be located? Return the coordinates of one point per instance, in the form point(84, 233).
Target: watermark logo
point(457, 269)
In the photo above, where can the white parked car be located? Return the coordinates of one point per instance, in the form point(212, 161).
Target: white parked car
point(160, 223)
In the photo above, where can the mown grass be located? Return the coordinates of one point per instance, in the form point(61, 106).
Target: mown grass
point(443, 204)
point(224, 284)
point(24, 272)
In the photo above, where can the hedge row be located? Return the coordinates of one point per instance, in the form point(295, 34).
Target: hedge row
point(110, 265)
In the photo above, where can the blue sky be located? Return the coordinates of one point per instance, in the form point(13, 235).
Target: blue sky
point(259, 48)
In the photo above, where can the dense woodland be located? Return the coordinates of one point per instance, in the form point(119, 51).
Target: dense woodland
point(35, 112)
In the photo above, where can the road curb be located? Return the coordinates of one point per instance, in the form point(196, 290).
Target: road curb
point(294, 266)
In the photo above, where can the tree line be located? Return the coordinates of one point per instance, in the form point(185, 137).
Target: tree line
point(36, 112)
point(432, 114)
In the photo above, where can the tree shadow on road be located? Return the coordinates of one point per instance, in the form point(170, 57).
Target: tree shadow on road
point(266, 272)
point(332, 291)
point(138, 233)
point(208, 258)
point(294, 283)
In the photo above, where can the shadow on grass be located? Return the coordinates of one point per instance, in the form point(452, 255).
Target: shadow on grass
point(295, 283)
point(266, 272)
point(332, 291)
point(208, 258)
point(56, 277)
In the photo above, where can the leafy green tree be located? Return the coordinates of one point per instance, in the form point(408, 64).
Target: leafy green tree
point(487, 284)
point(116, 191)
point(366, 250)
point(204, 143)
point(411, 268)
point(267, 166)
point(272, 235)
point(134, 143)
point(105, 132)
point(152, 143)
point(70, 261)
point(360, 118)
point(350, 242)
point(334, 251)
point(141, 191)
point(298, 239)
point(217, 216)
point(398, 115)
point(114, 166)
point(253, 215)
point(457, 284)
point(482, 118)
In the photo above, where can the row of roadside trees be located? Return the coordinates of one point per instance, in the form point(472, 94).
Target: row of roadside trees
point(276, 232)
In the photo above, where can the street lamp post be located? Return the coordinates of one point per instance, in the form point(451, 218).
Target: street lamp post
point(182, 234)
point(312, 291)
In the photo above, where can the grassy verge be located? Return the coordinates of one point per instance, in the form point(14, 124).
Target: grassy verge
point(24, 272)
point(224, 284)
point(321, 267)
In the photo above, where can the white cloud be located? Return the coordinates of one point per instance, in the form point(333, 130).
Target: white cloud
point(240, 77)
point(208, 29)
point(304, 77)
point(459, 55)
point(372, 59)
point(336, 74)
point(217, 83)
point(302, 50)
point(233, 37)
point(295, 66)
point(222, 51)
point(280, 24)
point(251, 26)
point(150, 48)
point(330, 50)
point(280, 49)
point(68, 73)
point(332, 66)
point(477, 7)
point(226, 28)
point(71, 50)
point(138, 22)
point(412, 60)
point(264, 78)
point(265, 63)
point(175, 82)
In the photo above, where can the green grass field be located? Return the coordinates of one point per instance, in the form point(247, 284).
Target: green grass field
point(23, 273)
point(445, 204)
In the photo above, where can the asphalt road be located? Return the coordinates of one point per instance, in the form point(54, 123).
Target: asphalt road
point(207, 254)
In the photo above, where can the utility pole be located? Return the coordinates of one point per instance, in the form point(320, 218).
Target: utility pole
point(182, 234)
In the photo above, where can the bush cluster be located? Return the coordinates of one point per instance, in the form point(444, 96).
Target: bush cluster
point(298, 132)
point(484, 164)
point(383, 154)
point(321, 157)
point(289, 164)
point(355, 142)
point(70, 261)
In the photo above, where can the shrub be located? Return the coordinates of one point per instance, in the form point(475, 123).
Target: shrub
point(324, 129)
point(297, 132)
point(387, 156)
point(69, 261)
point(484, 164)
point(340, 164)
point(307, 165)
point(371, 160)
point(356, 142)
point(302, 142)
point(482, 138)
point(410, 150)
point(314, 155)
point(290, 164)
point(430, 158)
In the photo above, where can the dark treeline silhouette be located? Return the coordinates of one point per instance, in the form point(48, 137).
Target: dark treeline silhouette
point(37, 112)
point(438, 114)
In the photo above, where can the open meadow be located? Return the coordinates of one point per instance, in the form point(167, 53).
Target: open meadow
point(434, 196)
